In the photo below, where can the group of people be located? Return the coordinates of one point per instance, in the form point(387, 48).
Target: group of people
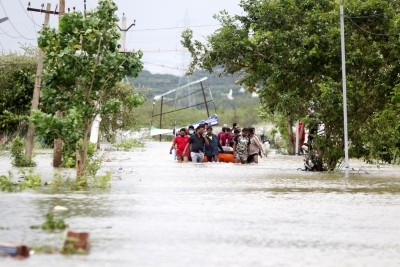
point(196, 144)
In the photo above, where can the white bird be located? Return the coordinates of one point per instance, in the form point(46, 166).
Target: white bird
point(230, 95)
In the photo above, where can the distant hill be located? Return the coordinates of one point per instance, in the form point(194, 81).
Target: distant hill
point(239, 106)
point(220, 86)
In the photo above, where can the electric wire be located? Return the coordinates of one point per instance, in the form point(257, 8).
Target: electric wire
point(9, 35)
point(369, 32)
point(177, 27)
point(12, 24)
point(31, 19)
point(164, 66)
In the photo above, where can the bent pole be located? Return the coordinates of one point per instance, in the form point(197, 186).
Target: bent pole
point(346, 138)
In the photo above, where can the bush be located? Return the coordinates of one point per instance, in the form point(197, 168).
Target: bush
point(129, 144)
point(17, 153)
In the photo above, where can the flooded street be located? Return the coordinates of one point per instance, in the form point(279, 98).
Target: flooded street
point(161, 213)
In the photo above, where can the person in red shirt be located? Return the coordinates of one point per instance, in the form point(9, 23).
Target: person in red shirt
point(225, 138)
point(179, 143)
point(221, 133)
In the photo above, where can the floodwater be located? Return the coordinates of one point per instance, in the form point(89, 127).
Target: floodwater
point(161, 213)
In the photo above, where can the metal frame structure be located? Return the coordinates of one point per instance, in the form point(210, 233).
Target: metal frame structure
point(161, 98)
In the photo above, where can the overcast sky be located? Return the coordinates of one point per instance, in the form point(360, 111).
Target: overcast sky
point(152, 34)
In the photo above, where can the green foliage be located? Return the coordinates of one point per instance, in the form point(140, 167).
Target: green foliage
point(123, 116)
point(129, 144)
point(289, 53)
point(17, 153)
point(30, 181)
point(62, 183)
point(101, 182)
point(69, 247)
point(53, 224)
point(17, 73)
point(82, 68)
point(6, 184)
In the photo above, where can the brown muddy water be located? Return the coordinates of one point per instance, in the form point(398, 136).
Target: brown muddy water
point(161, 213)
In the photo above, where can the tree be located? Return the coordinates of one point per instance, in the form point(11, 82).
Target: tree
point(82, 66)
point(289, 52)
point(125, 119)
point(17, 74)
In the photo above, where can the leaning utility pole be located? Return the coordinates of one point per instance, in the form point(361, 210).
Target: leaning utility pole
point(58, 144)
point(3, 19)
point(38, 84)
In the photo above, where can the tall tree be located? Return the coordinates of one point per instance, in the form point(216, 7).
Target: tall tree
point(17, 74)
point(82, 65)
point(289, 52)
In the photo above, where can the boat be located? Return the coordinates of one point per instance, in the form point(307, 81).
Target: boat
point(226, 156)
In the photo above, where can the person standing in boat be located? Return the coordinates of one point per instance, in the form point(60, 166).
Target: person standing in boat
point(179, 143)
point(211, 150)
point(197, 143)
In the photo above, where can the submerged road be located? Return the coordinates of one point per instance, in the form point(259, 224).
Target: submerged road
point(161, 213)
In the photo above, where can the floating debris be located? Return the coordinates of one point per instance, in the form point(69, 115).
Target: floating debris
point(76, 243)
point(18, 251)
point(60, 208)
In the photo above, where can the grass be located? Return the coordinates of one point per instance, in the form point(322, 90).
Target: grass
point(129, 144)
point(51, 223)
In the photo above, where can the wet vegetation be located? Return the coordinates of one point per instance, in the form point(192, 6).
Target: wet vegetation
point(51, 223)
point(129, 144)
point(30, 180)
point(17, 153)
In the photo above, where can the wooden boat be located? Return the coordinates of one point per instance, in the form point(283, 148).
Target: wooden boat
point(226, 156)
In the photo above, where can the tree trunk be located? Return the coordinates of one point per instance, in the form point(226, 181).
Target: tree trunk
point(292, 143)
point(320, 160)
point(332, 164)
point(81, 152)
point(58, 148)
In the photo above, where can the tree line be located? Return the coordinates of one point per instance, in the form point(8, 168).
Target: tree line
point(288, 51)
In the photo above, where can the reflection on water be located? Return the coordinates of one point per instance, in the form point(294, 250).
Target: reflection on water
point(166, 214)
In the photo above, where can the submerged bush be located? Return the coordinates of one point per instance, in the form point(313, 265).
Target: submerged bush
point(17, 153)
point(129, 144)
point(51, 223)
point(60, 182)
point(30, 181)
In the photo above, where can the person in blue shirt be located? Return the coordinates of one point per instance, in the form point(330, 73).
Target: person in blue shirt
point(214, 146)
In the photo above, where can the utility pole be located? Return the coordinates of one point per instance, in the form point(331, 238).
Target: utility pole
point(58, 144)
point(38, 84)
point(62, 9)
point(346, 136)
point(123, 29)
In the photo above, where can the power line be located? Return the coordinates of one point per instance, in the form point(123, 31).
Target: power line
point(162, 50)
point(9, 35)
point(164, 66)
point(177, 27)
point(31, 19)
point(369, 32)
point(12, 25)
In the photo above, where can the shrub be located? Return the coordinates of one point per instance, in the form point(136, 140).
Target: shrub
point(17, 153)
